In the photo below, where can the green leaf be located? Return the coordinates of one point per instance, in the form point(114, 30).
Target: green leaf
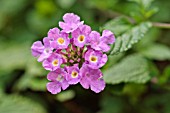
point(65, 4)
point(132, 36)
point(118, 26)
point(134, 91)
point(144, 3)
point(156, 52)
point(34, 77)
point(133, 68)
point(165, 76)
point(65, 95)
point(14, 55)
point(150, 38)
point(28, 81)
point(112, 60)
point(18, 104)
point(102, 4)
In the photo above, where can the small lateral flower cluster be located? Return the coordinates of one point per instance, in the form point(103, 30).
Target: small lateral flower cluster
point(73, 55)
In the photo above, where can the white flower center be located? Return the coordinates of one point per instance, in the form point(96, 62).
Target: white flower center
point(60, 78)
point(46, 50)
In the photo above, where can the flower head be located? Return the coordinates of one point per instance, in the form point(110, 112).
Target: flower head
point(74, 55)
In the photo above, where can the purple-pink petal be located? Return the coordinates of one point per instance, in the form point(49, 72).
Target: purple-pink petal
point(54, 87)
point(71, 18)
point(107, 37)
point(91, 78)
point(53, 33)
point(104, 47)
point(71, 22)
point(37, 48)
point(97, 86)
point(58, 81)
point(101, 43)
point(103, 60)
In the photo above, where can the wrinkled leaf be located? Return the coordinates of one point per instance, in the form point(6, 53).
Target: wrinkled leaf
point(132, 36)
point(133, 68)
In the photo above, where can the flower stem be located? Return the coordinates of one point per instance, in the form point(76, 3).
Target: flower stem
point(161, 25)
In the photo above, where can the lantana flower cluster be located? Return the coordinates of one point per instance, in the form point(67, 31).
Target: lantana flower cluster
point(73, 55)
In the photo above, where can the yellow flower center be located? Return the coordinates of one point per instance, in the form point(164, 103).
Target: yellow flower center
point(55, 62)
point(74, 74)
point(93, 59)
point(60, 41)
point(81, 38)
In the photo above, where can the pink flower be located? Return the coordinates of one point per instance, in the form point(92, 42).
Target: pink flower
point(71, 22)
point(41, 51)
point(101, 43)
point(95, 59)
point(81, 35)
point(53, 62)
point(73, 76)
point(60, 41)
point(91, 78)
point(58, 81)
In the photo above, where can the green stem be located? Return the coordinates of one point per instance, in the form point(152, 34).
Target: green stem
point(161, 25)
point(155, 24)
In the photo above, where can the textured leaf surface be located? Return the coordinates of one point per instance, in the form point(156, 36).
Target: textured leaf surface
point(133, 68)
point(132, 36)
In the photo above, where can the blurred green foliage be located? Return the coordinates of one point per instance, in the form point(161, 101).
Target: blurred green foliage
point(137, 79)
